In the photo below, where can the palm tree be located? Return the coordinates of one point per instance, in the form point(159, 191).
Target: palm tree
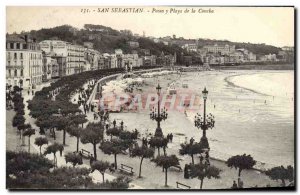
point(101, 166)
point(166, 162)
point(202, 171)
point(142, 152)
point(29, 132)
point(241, 162)
point(40, 141)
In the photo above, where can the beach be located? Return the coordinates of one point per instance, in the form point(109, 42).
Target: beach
point(254, 113)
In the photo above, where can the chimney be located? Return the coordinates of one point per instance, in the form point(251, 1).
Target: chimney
point(26, 38)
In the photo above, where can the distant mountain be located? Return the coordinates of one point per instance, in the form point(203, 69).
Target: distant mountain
point(106, 40)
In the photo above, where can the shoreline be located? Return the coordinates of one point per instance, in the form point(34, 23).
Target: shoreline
point(230, 83)
point(255, 67)
point(261, 166)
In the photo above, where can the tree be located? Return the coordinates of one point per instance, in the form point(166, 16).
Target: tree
point(78, 119)
point(93, 134)
point(18, 120)
point(53, 148)
point(190, 149)
point(202, 171)
point(61, 123)
point(24, 161)
point(241, 162)
point(114, 131)
point(73, 158)
point(29, 132)
point(40, 141)
point(101, 166)
point(128, 138)
point(31, 171)
point(158, 142)
point(115, 147)
point(166, 162)
point(142, 152)
point(21, 128)
point(75, 131)
point(281, 173)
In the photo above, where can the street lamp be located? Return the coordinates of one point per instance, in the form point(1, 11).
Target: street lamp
point(159, 115)
point(206, 122)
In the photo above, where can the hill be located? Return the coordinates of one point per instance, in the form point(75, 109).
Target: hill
point(106, 40)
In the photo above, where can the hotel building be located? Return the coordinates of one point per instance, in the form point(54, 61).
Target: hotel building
point(24, 66)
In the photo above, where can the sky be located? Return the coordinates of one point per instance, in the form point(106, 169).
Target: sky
point(269, 25)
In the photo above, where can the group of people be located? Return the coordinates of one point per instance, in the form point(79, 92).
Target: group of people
point(239, 184)
point(170, 137)
point(102, 114)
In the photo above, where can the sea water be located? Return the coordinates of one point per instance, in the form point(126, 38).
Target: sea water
point(254, 113)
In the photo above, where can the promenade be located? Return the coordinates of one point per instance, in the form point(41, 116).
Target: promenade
point(153, 177)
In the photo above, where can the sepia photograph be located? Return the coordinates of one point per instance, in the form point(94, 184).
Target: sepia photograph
point(137, 98)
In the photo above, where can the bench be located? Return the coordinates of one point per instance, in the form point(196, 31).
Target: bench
point(85, 153)
point(182, 186)
point(177, 167)
point(127, 169)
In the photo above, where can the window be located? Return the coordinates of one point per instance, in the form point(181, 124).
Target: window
point(21, 72)
point(21, 55)
point(21, 63)
point(11, 45)
point(18, 45)
point(16, 72)
point(15, 55)
point(9, 72)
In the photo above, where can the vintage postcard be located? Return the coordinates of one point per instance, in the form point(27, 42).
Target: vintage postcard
point(150, 98)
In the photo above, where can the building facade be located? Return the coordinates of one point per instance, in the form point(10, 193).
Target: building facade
point(74, 54)
point(24, 66)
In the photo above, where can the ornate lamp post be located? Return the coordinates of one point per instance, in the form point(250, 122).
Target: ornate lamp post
point(159, 115)
point(206, 122)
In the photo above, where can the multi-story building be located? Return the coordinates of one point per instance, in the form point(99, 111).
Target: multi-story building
point(50, 66)
point(222, 49)
point(74, 54)
point(24, 66)
point(190, 47)
point(92, 58)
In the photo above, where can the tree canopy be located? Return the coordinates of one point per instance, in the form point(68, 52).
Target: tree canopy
point(241, 162)
point(281, 173)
